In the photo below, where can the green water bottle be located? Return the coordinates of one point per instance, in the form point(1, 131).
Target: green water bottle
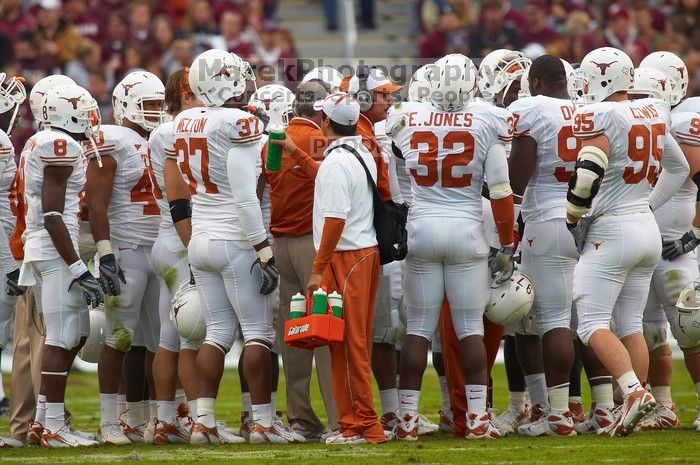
point(336, 302)
point(274, 152)
point(297, 307)
point(319, 302)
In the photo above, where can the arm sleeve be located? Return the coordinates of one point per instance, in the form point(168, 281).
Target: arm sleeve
point(240, 166)
point(330, 236)
point(307, 164)
point(496, 168)
point(675, 172)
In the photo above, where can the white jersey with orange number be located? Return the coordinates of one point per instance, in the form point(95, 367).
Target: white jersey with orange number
point(549, 122)
point(134, 216)
point(637, 132)
point(675, 217)
point(445, 154)
point(204, 139)
point(50, 148)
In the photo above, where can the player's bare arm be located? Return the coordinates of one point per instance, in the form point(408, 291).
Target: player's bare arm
point(53, 196)
point(178, 193)
point(521, 164)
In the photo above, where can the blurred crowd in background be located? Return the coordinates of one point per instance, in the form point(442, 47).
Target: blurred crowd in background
point(96, 42)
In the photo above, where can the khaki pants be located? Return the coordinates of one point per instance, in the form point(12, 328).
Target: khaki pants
point(294, 257)
point(26, 364)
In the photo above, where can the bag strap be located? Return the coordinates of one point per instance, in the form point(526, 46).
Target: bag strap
point(372, 185)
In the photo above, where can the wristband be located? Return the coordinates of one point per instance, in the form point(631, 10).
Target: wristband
point(104, 247)
point(78, 269)
point(265, 254)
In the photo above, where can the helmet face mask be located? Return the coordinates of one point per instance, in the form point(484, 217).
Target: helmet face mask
point(652, 83)
point(498, 71)
point(688, 306)
point(12, 95)
point(139, 98)
point(276, 101)
point(674, 68)
point(217, 76)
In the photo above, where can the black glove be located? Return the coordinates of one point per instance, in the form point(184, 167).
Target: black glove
point(674, 249)
point(110, 275)
point(92, 289)
point(502, 265)
point(270, 275)
point(191, 275)
point(13, 288)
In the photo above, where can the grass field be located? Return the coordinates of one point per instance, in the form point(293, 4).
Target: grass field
point(676, 447)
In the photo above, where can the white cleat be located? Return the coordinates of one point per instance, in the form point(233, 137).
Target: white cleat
point(229, 435)
point(407, 429)
point(339, 439)
point(9, 443)
point(696, 423)
point(425, 426)
point(149, 432)
point(661, 417)
point(550, 424)
point(481, 427)
point(34, 431)
point(204, 435)
point(112, 434)
point(509, 420)
point(445, 422)
point(136, 434)
point(634, 407)
point(275, 434)
point(171, 433)
point(598, 419)
point(63, 438)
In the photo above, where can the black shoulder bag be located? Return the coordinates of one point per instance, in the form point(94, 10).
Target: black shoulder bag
point(389, 220)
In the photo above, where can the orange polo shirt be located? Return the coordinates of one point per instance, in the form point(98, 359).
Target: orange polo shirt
point(291, 188)
point(365, 128)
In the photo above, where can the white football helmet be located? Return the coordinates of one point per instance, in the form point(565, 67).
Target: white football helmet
point(72, 109)
point(651, 82)
point(327, 74)
point(217, 76)
point(130, 95)
point(452, 82)
point(276, 101)
point(498, 70)
point(98, 333)
point(511, 300)
point(419, 85)
point(40, 89)
point(12, 95)
point(186, 313)
point(602, 72)
point(673, 67)
point(688, 306)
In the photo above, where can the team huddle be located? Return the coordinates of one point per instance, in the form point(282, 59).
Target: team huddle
point(557, 206)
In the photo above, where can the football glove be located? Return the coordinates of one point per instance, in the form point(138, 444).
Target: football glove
point(580, 230)
point(13, 288)
point(674, 249)
point(270, 275)
point(503, 265)
point(92, 289)
point(110, 275)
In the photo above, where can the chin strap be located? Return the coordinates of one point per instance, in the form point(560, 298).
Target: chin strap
point(94, 147)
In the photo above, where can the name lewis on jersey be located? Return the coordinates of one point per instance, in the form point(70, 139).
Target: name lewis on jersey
point(191, 125)
point(646, 112)
point(416, 119)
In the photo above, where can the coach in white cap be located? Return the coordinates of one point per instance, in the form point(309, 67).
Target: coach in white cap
point(347, 261)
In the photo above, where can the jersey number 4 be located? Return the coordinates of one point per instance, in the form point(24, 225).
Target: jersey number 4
point(189, 149)
point(430, 144)
point(146, 191)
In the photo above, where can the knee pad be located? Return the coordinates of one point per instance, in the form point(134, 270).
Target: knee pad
point(62, 330)
point(655, 334)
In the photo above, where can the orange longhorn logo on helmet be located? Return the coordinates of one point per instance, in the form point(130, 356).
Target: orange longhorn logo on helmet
point(603, 66)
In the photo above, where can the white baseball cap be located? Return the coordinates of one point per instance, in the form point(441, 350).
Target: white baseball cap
point(340, 107)
point(376, 81)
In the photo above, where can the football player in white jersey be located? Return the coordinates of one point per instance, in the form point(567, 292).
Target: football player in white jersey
point(623, 143)
point(54, 177)
point(175, 355)
point(450, 146)
point(541, 162)
point(217, 147)
point(121, 196)
point(678, 220)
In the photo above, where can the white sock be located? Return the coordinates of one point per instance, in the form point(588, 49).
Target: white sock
point(146, 409)
point(55, 416)
point(40, 415)
point(121, 405)
point(153, 410)
point(273, 402)
point(575, 400)
point(476, 398)
point(134, 413)
point(180, 397)
point(537, 387)
point(192, 404)
point(602, 394)
point(408, 402)
point(389, 398)
point(205, 411)
point(628, 382)
point(2, 387)
point(108, 408)
point(247, 404)
point(662, 394)
point(559, 398)
point(262, 414)
point(517, 400)
point(166, 410)
point(445, 395)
